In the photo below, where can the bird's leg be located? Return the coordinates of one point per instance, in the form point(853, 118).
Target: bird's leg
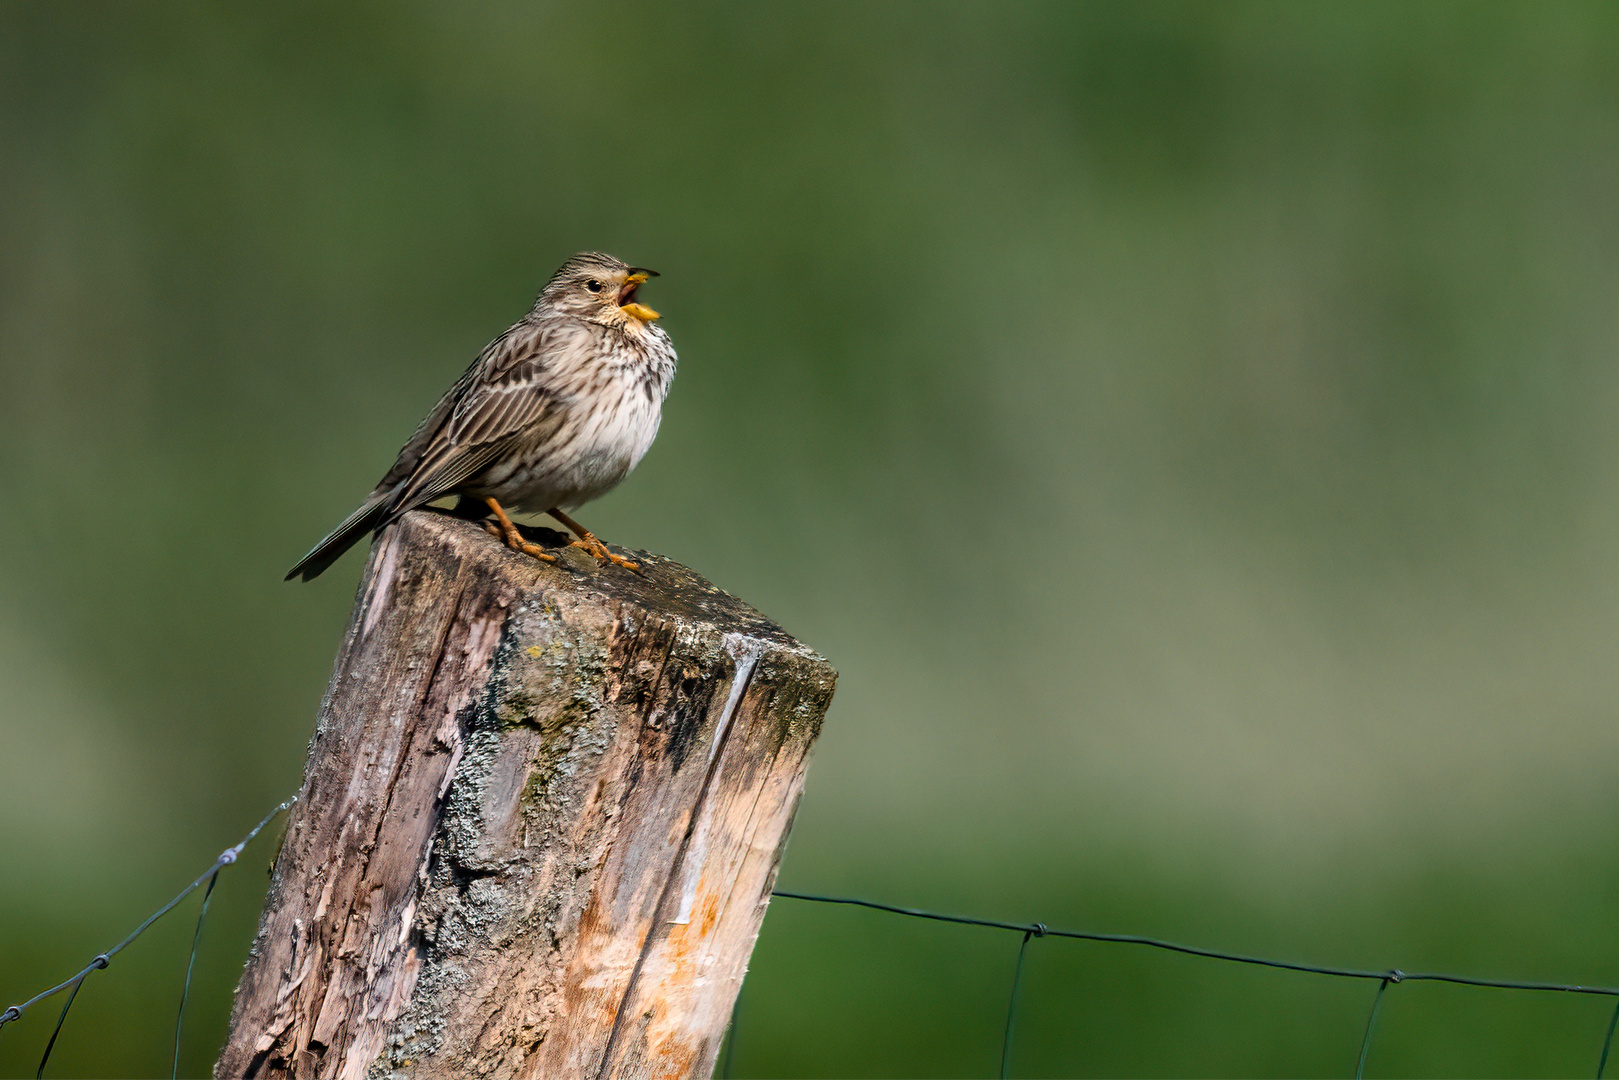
point(588, 541)
point(508, 532)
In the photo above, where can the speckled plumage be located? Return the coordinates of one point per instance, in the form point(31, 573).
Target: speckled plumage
point(553, 413)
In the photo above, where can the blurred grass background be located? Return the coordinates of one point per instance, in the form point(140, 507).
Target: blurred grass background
point(1188, 428)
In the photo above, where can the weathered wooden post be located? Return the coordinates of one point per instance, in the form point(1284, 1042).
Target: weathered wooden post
point(541, 817)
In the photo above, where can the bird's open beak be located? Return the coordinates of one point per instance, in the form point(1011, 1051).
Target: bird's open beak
point(626, 295)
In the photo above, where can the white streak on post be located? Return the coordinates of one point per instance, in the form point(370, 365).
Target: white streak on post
point(746, 652)
point(376, 603)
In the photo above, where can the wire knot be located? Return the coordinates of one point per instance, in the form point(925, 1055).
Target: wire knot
point(228, 856)
point(100, 962)
point(1394, 975)
point(13, 1012)
point(1038, 929)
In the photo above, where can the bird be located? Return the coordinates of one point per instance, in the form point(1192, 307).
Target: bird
point(553, 413)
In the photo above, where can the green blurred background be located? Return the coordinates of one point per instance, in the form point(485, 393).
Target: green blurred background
point(1189, 430)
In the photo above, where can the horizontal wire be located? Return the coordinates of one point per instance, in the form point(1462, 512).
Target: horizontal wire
point(230, 855)
point(1041, 930)
point(226, 857)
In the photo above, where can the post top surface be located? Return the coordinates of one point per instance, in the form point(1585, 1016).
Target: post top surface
point(663, 586)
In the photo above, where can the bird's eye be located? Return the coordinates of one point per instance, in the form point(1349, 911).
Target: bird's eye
point(593, 286)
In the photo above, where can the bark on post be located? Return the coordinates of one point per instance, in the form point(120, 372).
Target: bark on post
point(541, 817)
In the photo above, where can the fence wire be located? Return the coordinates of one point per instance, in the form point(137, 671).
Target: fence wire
point(1384, 978)
point(99, 962)
point(1028, 931)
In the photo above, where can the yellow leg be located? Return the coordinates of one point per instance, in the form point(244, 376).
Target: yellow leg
point(588, 541)
point(508, 532)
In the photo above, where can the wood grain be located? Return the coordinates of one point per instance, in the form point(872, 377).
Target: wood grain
point(542, 813)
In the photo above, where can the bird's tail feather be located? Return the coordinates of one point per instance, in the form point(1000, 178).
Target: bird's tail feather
point(373, 514)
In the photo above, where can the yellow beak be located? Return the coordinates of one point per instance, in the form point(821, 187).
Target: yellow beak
point(640, 311)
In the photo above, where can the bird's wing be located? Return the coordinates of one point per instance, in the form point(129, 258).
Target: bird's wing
point(504, 396)
point(515, 388)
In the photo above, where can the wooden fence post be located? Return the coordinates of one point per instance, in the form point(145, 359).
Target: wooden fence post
point(542, 813)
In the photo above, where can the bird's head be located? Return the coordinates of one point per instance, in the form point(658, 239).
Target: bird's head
point(600, 288)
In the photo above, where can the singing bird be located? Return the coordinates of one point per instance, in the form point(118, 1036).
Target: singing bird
point(554, 412)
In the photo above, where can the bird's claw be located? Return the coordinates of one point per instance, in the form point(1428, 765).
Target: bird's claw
point(588, 541)
point(606, 556)
point(599, 549)
point(508, 534)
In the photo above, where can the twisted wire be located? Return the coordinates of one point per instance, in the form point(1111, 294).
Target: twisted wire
point(1384, 978)
point(1371, 1021)
point(1037, 930)
point(191, 963)
point(101, 960)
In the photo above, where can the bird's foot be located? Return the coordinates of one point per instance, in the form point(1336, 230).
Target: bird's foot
point(599, 549)
point(518, 544)
point(588, 541)
point(503, 528)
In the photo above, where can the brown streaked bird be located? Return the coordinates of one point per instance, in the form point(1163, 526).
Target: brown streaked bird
point(554, 412)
